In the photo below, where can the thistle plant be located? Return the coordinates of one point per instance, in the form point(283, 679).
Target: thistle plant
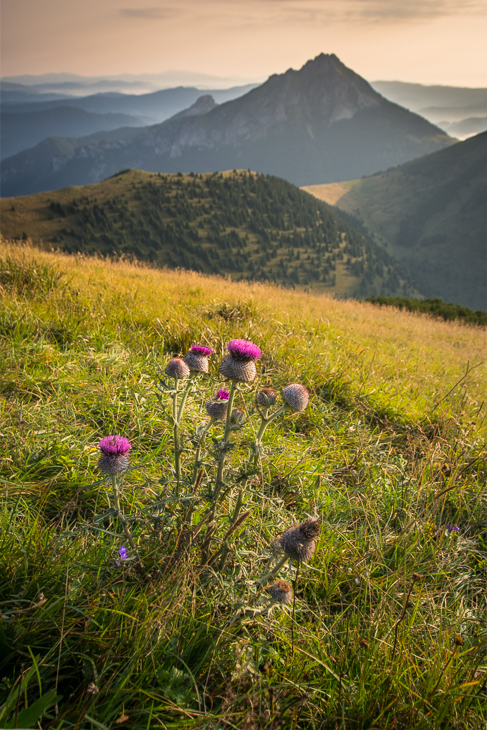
point(238, 366)
point(195, 363)
point(114, 462)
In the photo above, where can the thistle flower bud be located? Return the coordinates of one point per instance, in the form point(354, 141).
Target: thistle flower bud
point(295, 396)
point(217, 406)
point(266, 397)
point(197, 358)
point(114, 459)
point(239, 365)
point(238, 417)
point(177, 368)
point(299, 541)
point(281, 592)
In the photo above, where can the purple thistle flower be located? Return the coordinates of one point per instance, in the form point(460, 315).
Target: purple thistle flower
point(244, 350)
point(452, 528)
point(201, 349)
point(217, 406)
point(114, 446)
point(122, 551)
point(114, 459)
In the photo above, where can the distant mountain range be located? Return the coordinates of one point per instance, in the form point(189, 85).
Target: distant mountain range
point(28, 118)
point(431, 215)
point(242, 224)
point(155, 107)
point(320, 124)
point(457, 110)
point(21, 131)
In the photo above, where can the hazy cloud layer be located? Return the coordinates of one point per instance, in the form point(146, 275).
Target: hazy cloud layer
point(382, 10)
point(157, 13)
point(428, 41)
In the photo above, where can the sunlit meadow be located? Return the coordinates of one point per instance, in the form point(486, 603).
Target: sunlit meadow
point(171, 588)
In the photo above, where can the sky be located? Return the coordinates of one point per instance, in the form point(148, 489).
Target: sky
point(423, 41)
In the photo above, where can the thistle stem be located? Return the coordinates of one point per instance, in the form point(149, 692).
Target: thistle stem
point(295, 583)
point(221, 463)
point(183, 398)
point(260, 434)
point(177, 462)
point(197, 454)
point(120, 515)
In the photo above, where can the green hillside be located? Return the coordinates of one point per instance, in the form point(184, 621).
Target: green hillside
point(246, 225)
point(430, 213)
point(144, 601)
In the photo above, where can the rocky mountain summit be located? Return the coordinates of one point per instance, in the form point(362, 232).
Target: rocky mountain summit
point(322, 123)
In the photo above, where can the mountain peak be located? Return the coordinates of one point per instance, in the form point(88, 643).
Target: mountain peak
point(202, 105)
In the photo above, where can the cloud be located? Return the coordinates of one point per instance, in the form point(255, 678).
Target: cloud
point(150, 13)
point(363, 10)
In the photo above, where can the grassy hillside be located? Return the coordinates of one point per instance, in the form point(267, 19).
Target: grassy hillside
point(431, 215)
point(385, 630)
point(246, 225)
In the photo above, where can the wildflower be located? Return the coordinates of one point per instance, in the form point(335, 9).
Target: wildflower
point(197, 358)
point(239, 365)
point(299, 541)
point(266, 397)
point(122, 551)
point(177, 368)
point(452, 528)
point(295, 396)
point(114, 459)
point(217, 407)
point(92, 689)
point(281, 592)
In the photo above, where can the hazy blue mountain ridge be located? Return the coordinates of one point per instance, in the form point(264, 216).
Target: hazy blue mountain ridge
point(323, 123)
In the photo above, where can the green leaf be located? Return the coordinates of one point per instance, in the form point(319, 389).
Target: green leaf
point(30, 716)
point(15, 692)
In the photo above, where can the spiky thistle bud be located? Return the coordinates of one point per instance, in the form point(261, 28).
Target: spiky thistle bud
point(295, 396)
point(114, 459)
point(238, 417)
point(266, 397)
point(197, 358)
point(217, 406)
point(281, 592)
point(299, 541)
point(239, 365)
point(177, 368)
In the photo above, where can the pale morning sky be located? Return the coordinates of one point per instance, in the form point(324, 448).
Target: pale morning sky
point(427, 41)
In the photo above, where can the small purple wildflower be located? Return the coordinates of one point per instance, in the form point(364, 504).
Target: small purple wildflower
point(201, 349)
point(122, 551)
point(452, 528)
point(114, 446)
point(222, 394)
point(244, 350)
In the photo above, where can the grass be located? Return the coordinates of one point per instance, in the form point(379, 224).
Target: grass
point(388, 618)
